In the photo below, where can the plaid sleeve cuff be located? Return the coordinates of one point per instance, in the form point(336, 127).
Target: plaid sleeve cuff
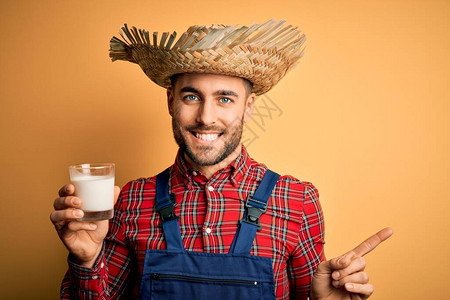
point(87, 282)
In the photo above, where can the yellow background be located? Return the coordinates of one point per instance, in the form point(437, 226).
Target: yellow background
point(364, 117)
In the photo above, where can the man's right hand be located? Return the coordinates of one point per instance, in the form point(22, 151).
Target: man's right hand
point(83, 239)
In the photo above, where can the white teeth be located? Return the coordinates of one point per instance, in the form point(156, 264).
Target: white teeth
point(207, 137)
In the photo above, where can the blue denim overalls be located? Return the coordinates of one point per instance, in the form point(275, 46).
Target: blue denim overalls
point(175, 273)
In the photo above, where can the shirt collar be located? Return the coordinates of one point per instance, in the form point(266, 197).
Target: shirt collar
point(235, 171)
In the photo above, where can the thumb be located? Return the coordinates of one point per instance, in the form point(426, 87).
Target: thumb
point(116, 193)
point(340, 262)
point(324, 268)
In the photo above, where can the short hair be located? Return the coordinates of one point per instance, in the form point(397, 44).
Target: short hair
point(248, 86)
point(248, 83)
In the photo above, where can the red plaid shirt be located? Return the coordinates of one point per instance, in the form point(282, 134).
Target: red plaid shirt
point(292, 232)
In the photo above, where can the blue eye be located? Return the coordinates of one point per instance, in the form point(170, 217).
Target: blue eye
point(191, 97)
point(225, 100)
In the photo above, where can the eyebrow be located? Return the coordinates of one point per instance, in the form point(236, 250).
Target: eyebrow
point(226, 93)
point(190, 89)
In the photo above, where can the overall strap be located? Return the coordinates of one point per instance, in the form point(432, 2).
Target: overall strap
point(255, 207)
point(165, 206)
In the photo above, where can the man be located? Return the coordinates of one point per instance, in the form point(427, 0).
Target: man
point(213, 204)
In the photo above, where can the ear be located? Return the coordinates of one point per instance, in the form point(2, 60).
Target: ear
point(170, 100)
point(249, 107)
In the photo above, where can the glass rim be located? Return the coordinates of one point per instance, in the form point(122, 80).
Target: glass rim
point(92, 166)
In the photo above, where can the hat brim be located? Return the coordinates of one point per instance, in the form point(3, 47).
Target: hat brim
point(262, 54)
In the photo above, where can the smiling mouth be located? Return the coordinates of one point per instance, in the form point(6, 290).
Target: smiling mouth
point(207, 137)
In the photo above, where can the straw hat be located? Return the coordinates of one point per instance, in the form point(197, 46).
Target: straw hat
point(260, 53)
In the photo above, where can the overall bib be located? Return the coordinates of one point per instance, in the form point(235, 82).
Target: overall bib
point(175, 273)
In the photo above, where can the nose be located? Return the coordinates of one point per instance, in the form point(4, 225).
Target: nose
point(207, 113)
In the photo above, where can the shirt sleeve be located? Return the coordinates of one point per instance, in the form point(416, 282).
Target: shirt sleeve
point(309, 252)
point(109, 277)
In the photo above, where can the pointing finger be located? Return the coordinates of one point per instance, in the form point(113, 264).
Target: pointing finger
point(372, 242)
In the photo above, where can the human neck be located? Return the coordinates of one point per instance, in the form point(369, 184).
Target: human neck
point(209, 171)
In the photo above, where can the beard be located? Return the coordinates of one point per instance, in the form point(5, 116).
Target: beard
point(206, 155)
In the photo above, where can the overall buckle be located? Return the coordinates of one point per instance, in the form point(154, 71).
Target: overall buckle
point(167, 212)
point(253, 213)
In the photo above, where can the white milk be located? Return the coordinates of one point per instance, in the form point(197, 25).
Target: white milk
point(96, 192)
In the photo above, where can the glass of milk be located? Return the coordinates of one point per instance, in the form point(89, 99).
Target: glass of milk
point(94, 185)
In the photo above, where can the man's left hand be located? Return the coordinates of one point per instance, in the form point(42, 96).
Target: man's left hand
point(343, 277)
